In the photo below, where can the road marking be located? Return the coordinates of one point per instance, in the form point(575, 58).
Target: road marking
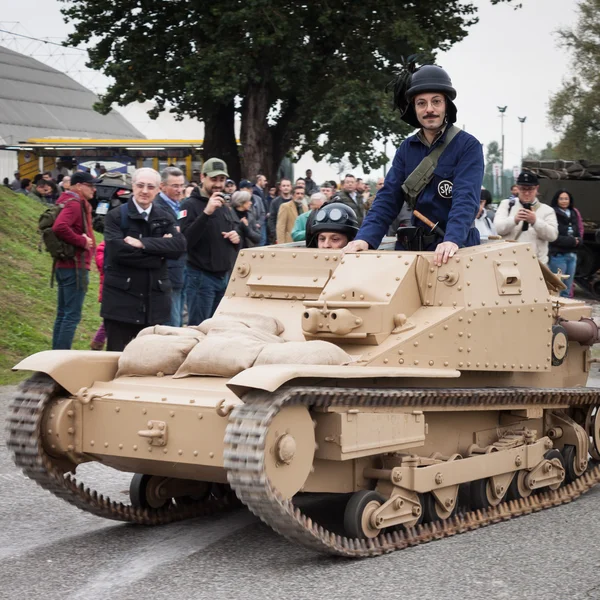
point(177, 543)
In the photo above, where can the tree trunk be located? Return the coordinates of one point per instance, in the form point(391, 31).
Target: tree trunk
point(219, 139)
point(257, 154)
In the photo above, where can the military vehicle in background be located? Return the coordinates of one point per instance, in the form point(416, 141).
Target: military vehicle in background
point(358, 404)
point(582, 179)
point(115, 189)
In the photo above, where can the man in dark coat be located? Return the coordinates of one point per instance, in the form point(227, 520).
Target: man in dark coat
point(140, 237)
point(172, 187)
point(213, 242)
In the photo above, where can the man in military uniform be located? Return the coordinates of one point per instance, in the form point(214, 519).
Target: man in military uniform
point(450, 197)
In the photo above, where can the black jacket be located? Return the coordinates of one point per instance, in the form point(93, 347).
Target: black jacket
point(136, 282)
point(565, 242)
point(176, 267)
point(207, 249)
point(250, 235)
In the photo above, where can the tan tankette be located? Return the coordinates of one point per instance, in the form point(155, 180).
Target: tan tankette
point(462, 402)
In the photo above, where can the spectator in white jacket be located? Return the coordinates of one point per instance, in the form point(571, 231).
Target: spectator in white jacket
point(526, 219)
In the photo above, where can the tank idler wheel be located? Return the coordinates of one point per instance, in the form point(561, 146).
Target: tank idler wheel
point(143, 491)
point(432, 511)
point(592, 427)
point(482, 495)
point(357, 516)
point(517, 488)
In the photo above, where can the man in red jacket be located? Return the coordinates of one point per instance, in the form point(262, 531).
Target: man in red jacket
point(74, 226)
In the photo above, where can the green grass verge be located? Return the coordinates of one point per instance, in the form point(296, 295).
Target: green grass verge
point(27, 302)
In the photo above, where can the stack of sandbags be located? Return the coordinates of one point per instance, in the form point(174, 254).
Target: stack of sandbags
point(157, 354)
point(316, 352)
point(242, 321)
point(226, 352)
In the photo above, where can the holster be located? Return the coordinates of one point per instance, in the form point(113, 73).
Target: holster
point(414, 239)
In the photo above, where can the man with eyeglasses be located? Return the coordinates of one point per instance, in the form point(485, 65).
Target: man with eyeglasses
point(213, 242)
point(172, 188)
point(140, 237)
point(526, 219)
point(73, 225)
point(450, 197)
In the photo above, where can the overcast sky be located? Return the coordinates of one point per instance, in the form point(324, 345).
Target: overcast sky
point(509, 58)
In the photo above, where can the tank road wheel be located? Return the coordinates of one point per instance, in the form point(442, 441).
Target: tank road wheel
point(592, 427)
point(144, 491)
point(482, 495)
point(569, 457)
point(554, 453)
point(204, 491)
point(432, 511)
point(517, 488)
point(290, 450)
point(357, 516)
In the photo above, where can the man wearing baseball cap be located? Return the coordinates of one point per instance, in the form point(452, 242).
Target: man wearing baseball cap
point(526, 219)
point(73, 225)
point(212, 242)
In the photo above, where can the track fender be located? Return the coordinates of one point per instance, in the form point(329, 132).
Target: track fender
point(271, 377)
point(72, 369)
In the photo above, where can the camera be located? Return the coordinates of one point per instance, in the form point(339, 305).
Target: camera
point(226, 197)
point(526, 206)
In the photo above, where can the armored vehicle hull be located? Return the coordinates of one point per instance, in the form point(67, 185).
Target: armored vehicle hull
point(464, 403)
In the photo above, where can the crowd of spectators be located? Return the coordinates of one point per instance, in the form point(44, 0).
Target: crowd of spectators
point(169, 251)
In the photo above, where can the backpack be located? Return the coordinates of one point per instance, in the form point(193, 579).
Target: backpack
point(57, 248)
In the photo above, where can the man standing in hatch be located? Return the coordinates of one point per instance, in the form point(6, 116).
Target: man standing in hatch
point(452, 173)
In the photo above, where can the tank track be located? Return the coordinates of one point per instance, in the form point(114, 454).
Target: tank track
point(25, 442)
point(245, 449)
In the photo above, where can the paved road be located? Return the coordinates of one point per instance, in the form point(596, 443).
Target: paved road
point(51, 551)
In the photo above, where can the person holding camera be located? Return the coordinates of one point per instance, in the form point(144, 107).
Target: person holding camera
point(213, 239)
point(526, 219)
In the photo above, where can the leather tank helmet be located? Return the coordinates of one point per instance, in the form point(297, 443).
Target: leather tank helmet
point(412, 81)
point(334, 217)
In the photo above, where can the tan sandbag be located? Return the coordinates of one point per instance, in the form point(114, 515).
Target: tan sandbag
point(316, 352)
point(251, 320)
point(155, 354)
point(226, 352)
point(168, 330)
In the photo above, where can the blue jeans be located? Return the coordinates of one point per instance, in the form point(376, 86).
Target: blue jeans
point(177, 300)
point(567, 263)
point(72, 287)
point(204, 292)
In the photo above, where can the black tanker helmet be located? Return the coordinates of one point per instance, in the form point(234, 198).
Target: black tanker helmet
point(334, 217)
point(412, 81)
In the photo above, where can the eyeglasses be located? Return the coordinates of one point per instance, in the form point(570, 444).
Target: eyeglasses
point(524, 189)
point(436, 103)
point(177, 186)
point(146, 186)
point(90, 185)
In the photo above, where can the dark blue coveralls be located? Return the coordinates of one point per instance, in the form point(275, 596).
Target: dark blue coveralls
point(450, 198)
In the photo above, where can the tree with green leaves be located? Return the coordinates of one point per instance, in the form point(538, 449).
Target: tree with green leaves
point(575, 109)
point(300, 75)
point(546, 153)
point(493, 155)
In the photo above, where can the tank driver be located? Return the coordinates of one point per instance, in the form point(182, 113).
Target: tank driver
point(333, 226)
point(438, 171)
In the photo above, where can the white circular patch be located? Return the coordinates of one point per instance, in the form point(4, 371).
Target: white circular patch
point(445, 189)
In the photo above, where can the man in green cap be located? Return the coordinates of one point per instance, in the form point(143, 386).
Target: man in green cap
point(213, 242)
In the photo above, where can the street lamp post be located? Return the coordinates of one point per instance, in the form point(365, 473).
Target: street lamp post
point(502, 110)
point(522, 121)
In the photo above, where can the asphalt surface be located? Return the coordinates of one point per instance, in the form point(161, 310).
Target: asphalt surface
point(52, 551)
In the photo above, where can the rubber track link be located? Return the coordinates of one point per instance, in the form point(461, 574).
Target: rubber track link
point(25, 442)
point(245, 451)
